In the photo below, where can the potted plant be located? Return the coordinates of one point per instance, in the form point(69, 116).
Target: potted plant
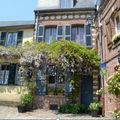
point(60, 91)
point(116, 38)
point(51, 90)
point(94, 108)
point(25, 101)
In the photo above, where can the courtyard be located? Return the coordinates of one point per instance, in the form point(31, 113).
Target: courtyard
point(12, 113)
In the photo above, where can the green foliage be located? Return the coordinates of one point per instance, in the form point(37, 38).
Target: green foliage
point(26, 99)
point(114, 83)
point(72, 108)
point(117, 114)
point(55, 90)
point(9, 54)
point(116, 38)
point(95, 105)
point(100, 92)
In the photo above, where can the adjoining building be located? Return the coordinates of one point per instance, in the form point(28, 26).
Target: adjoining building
point(12, 33)
point(109, 50)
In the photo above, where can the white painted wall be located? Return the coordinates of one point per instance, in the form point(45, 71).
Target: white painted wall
point(49, 4)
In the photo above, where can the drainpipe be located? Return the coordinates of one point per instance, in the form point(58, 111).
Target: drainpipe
point(101, 55)
point(36, 26)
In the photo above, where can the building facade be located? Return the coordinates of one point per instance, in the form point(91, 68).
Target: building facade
point(67, 19)
point(12, 33)
point(109, 25)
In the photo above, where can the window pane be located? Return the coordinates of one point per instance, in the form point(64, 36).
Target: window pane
point(62, 3)
point(60, 30)
point(117, 20)
point(51, 79)
point(69, 3)
point(50, 34)
point(41, 31)
point(3, 67)
point(11, 39)
point(88, 41)
point(67, 32)
point(78, 34)
point(66, 3)
point(118, 23)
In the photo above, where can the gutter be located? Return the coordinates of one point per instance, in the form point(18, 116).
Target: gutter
point(64, 10)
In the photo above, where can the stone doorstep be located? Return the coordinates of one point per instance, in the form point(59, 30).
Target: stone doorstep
point(67, 119)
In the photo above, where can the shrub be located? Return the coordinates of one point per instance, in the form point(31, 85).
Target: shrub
point(72, 108)
point(114, 83)
point(116, 38)
point(95, 105)
point(117, 114)
point(26, 99)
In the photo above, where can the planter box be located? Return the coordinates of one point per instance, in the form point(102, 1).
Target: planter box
point(94, 113)
point(21, 109)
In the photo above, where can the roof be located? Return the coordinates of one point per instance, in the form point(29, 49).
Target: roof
point(81, 4)
point(16, 23)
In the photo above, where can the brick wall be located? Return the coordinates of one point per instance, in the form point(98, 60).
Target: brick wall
point(110, 53)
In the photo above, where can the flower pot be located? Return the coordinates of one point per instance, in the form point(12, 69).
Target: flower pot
point(21, 109)
point(94, 113)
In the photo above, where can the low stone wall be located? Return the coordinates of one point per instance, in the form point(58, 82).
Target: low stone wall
point(10, 94)
point(47, 100)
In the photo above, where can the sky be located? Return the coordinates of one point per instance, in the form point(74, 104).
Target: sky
point(11, 10)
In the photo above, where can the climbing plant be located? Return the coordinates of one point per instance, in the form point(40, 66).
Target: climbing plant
point(64, 55)
point(114, 83)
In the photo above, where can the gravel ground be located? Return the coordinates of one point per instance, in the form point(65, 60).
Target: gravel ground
point(12, 113)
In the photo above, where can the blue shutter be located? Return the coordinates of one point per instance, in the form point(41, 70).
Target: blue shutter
point(12, 74)
point(19, 37)
point(88, 36)
point(3, 38)
point(41, 80)
point(68, 86)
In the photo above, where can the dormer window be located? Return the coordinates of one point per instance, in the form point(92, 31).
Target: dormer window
point(66, 3)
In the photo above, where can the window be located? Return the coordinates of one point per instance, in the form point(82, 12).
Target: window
point(64, 31)
point(78, 34)
point(66, 3)
point(117, 22)
point(60, 32)
point(7, 74)
point(40, 34)
point(11, 38)
point(88, 36)
point(50, 34)
point(108, 32)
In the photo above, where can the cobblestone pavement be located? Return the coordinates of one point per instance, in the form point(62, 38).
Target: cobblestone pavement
point(12, 113)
